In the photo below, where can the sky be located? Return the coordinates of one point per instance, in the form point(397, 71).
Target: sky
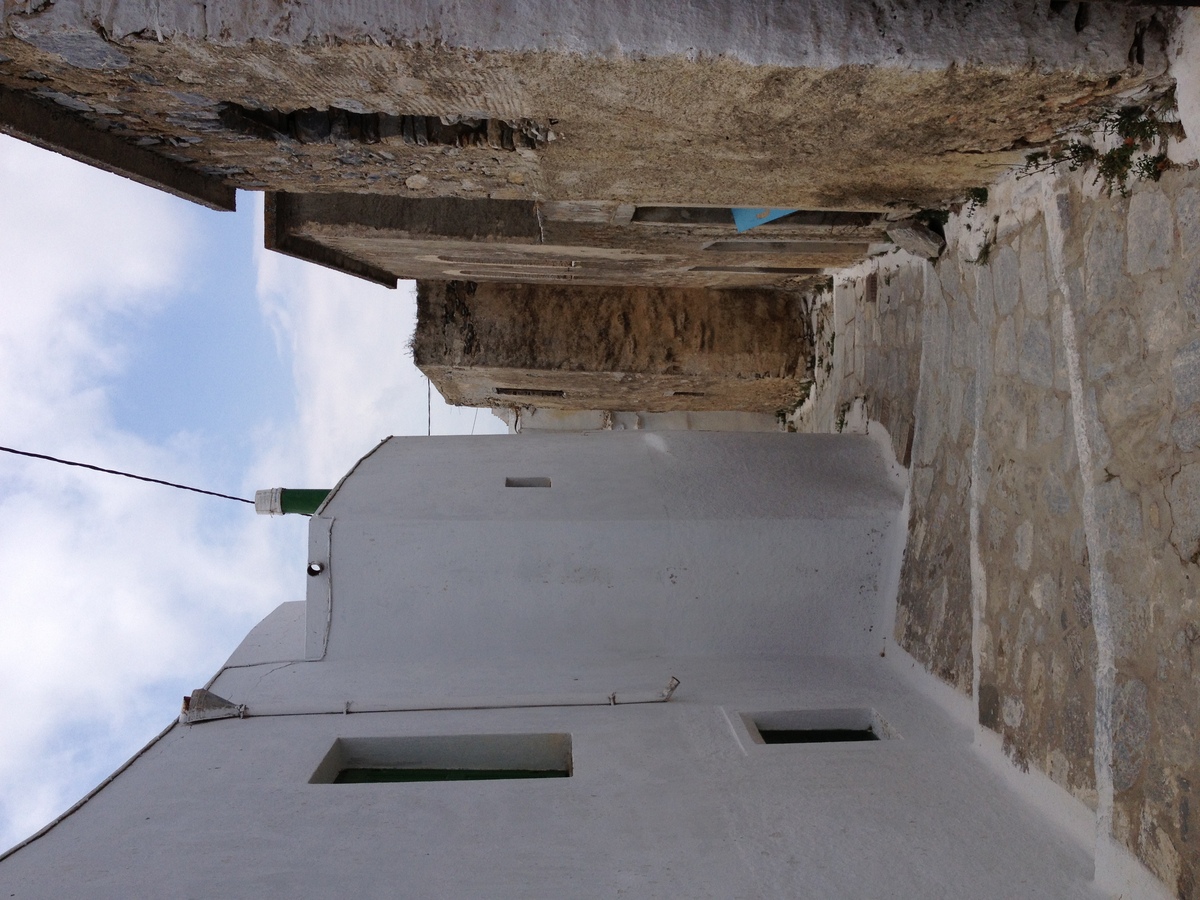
point(143, 333)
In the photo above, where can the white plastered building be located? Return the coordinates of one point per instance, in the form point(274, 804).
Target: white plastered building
point(524, 606)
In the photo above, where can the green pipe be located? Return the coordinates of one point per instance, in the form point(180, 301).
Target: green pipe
point(302, 500)
point(282, 501)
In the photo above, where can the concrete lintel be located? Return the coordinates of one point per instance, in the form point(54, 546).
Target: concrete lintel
point(455, 218)
point(277, 236)
point(54, 128)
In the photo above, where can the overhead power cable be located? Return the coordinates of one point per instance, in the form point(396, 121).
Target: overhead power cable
point(67, 462)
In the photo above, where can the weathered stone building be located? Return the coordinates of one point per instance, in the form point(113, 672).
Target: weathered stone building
point(566, 242)
point(1040, 382)
point(563, 130)
point(1043, 396)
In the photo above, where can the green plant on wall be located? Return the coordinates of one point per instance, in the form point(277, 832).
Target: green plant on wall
point(1140, 152)
point(976, 197)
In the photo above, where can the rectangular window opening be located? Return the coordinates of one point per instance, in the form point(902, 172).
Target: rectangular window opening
point(369, 775)
point(438, 758)
point(719, 215)
point(816, 735)
point(529, 481)
point(792, 247)
point(758, 270)
point(817, 726)
point(529, 392)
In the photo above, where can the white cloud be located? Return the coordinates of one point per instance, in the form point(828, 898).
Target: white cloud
point(355, 378)
point(117, 596)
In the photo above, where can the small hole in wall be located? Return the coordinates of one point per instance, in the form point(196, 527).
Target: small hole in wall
point(529, 392)
point(816, 735)
point(535, 481)
point(757, 270)
point(687, 393)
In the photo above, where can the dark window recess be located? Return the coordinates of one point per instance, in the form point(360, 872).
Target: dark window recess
point(817, 726)
point(459, 757)
point(533, 481)
point(716, 215)
point(816, 735)
point(683, 215)
point(757, 270)
point(529, 392)
point(687, 393)
point(315, 126)
point(817, 247)
point(393, 776)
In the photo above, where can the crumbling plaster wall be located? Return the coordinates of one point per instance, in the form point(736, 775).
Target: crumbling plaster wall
point(1054, 534)
point(731, 104)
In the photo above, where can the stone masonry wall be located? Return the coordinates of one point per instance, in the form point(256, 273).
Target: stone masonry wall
point(1054, 535)
point(725, 103)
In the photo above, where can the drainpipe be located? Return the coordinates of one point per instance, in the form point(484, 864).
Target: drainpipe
point(281, 501)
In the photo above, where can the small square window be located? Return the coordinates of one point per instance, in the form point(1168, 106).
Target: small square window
point(461, 757)
point(526, 481)
point(817, 726)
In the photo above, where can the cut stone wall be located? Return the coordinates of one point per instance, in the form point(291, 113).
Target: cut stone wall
point(1052, 558)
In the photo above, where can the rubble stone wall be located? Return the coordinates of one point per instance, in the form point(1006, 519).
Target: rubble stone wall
point(1061, 325)
point(613, 348)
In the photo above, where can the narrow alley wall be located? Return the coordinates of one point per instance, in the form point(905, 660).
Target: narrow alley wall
point(1042, 383)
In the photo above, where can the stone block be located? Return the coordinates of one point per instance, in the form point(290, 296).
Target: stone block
point(1119, 512)
point(1185, 429)
point(1050, 414)
point(1185, 374)
point(1035, 289)
point(917, 239)
point(1102, 449)
point(1062, 378)
point(1189, 295)
point(1006, 280)
point(1150, 232)
point(1184, 497)
point(1187, 216)
point(1023, 557)
point(963, 347)
point(1036, 360)
point(1005, 354)
point(1106, 279)
point(1112, 343)
point(1055, 496)
point(1081, 602)
point(1131, 730)
point(1160, 312)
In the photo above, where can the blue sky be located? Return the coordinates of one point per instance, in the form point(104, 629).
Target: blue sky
point(143, 333)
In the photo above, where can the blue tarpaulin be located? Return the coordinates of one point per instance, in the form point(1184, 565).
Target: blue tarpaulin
point(745, 219)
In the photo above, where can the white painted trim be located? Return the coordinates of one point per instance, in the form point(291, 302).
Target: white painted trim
point(318, 611)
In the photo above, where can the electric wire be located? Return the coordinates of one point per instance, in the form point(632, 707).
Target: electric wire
point(68, 462)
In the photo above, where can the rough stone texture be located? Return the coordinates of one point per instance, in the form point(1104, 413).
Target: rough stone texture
point(868, 334)
point(569, 243)
point(734, 104)
point(608, 348)
point(1138, 353)
point(997, 327)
